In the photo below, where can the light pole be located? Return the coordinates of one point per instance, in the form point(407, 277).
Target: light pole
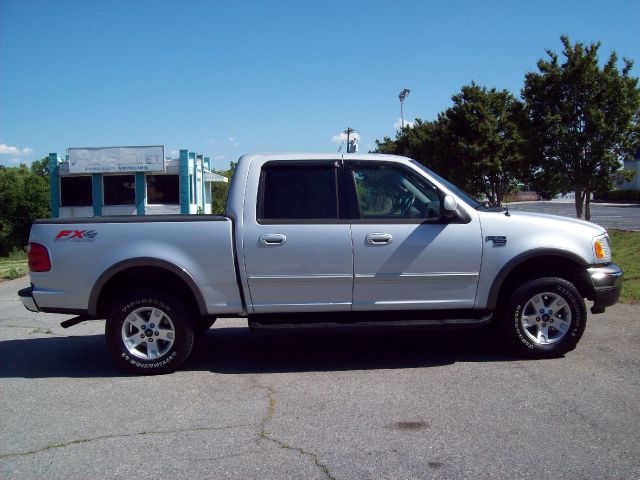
point(403, 94)
point(348, 131)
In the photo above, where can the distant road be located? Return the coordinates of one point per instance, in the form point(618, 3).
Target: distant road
point(608, 215)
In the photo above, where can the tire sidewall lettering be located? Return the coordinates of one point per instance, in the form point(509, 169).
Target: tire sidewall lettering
point(518, 327)
point(145, 302)
point(575, 309)
point(159, 364)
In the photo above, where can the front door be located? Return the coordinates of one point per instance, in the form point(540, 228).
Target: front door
point(406, 255)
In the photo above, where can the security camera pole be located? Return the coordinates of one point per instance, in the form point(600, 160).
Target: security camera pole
point(403, 94)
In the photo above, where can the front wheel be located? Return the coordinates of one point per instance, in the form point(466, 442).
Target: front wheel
point(544, 318)
point(149, 332)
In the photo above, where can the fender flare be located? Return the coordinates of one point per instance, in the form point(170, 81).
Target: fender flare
point(144, 262)
point(518, 260)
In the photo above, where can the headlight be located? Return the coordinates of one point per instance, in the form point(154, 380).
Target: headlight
point(601, 249)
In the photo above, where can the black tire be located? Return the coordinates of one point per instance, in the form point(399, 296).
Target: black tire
point(203, 324)
point(523, 324)
point(135, 316)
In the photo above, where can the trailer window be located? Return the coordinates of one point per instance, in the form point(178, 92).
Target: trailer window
point(119, 189)
point(163, 189)
point(76, 191)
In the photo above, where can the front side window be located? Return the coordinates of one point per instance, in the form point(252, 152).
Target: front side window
point(289, 192)
point(388, 192)
point(119, 189)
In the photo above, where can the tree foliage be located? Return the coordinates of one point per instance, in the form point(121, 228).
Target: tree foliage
point(24, 197)
point(220, 190)
point(584, 120)
point(577, 122)
point(476, 143)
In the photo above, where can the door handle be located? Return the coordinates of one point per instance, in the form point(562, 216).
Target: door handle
point(273, 239)
point(379, 239)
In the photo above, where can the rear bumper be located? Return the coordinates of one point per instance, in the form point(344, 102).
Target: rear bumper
point(26, 296)
point(607, 284)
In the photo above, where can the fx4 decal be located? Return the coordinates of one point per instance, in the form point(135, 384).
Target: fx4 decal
point(76, 236)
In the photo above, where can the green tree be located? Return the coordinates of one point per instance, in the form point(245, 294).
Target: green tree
point(24, 197)
point(584, 120)
point(41, 167)
point(220, 190)
point(483, 139)
point(477, 143)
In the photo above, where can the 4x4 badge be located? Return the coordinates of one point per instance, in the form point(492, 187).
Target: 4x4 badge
point(498, 241)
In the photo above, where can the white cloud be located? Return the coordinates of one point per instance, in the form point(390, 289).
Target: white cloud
point(231, 139)
point(11, 150)
point(236, 144)
point(212, 141)
point(342, 137)
point(407, 123)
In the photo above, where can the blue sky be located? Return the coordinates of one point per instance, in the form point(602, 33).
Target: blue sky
point(226, 78)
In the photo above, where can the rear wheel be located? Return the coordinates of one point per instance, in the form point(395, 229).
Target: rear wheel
point(544, 318)
point(149, 332)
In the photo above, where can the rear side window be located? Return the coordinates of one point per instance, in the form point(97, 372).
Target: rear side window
point(298, 192)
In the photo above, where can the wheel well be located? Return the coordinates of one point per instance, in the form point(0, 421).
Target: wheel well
point(547, 266)
point(148, 277)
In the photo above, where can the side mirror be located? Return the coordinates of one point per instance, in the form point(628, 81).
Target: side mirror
point(449, 206)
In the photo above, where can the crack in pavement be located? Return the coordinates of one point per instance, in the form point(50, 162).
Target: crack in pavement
point(80, 441)
point(263, 434)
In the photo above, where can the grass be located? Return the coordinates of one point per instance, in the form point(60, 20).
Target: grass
point(626, 253)
point(14, 266)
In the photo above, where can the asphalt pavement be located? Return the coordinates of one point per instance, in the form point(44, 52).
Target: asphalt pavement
point(619, 216)
point(448, 405)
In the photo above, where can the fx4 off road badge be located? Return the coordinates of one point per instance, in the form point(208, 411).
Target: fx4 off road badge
point(498, 241)
point(76, 236)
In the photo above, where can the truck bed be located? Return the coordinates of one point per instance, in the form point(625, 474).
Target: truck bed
point(85, 252)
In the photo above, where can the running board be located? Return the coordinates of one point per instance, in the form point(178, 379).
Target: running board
point(360, 321)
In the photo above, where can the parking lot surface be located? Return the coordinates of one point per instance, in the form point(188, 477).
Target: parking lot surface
point(608, 215)
point(448, 405)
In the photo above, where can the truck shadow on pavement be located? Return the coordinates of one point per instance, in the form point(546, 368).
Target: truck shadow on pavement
point(238, 351)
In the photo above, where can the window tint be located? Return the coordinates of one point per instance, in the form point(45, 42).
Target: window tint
point(76, 191)
point(298, 192)
point(163, 189)
point(388, 192)
point(119, 189)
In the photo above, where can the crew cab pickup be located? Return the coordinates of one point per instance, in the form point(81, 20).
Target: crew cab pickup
point(324, 241)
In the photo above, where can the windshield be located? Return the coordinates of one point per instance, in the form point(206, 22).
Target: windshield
point(468, 199)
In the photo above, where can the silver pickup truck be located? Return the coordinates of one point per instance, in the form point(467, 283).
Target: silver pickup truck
point(324, 241)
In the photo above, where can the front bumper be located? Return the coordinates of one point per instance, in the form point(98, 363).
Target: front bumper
point(607, 283)
point(26, 295)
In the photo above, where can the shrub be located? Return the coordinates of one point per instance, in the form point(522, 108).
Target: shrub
point(620, 195)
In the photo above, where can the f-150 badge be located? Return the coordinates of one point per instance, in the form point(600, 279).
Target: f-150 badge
point(498, 241)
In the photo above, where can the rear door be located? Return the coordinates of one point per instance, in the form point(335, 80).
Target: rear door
point(297, 243)
point(406, 255)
